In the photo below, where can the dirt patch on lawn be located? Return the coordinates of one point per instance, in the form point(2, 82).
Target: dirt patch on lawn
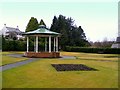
point(72, 67)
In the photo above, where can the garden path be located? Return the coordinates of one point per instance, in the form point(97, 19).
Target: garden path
point(16, 64)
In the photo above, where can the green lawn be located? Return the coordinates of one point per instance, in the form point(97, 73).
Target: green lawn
point(91, 56)
point(40, 74)
point(7, 59)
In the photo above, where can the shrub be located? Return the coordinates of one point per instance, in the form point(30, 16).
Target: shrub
point(13, 45)
point(93, 50)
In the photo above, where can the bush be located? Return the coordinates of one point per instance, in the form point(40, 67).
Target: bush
point(13, 45)
point(93, 50)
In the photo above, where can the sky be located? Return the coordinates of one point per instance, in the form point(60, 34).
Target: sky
point(98, 19)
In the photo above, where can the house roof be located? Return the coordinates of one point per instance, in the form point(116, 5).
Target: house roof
point(118, 40)
point(11, 29)
point(42, 30)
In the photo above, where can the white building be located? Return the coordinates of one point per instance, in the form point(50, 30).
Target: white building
point(116, 44)
point(11, 32)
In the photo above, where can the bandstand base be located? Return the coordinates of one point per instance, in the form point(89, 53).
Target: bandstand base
point(42, 54)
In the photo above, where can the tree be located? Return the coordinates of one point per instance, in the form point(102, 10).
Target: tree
point(42, 22)
point(32, 24)
point(71, 35)
point(102, 44)
point(54, 25)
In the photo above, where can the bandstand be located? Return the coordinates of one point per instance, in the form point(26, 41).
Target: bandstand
point(42, 31)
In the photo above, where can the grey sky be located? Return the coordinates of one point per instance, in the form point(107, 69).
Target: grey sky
point(99, 20)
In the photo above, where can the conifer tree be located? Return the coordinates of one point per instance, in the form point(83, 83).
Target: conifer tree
point(42, 22)
point(54, 25)
point(32, 25)
point(71, 35)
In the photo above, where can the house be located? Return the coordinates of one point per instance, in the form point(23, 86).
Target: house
point(116, 44)
point(10, 32)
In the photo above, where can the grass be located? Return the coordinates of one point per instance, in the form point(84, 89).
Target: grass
point(40, 74)
point(91, 56)
point(7, 59)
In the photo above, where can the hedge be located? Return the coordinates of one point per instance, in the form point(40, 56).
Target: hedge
point(93, 50)
point(13, 46)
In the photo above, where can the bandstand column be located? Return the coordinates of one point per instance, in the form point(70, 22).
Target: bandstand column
point(27, 44)
point(56, 44)
point(45, 44)
point(49, 43)
point(36, 43)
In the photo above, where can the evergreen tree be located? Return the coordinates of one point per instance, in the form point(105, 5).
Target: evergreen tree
point(54, 25)
point(32, 24)
point(71, 35)
point(42, 22)
point(62, 29)
point(69, 29)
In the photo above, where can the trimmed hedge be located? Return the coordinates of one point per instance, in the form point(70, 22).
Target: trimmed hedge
point(93, 50)
point(13, 45)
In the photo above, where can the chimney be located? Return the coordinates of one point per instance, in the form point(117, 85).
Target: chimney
point(4, 25)
point(17, 27)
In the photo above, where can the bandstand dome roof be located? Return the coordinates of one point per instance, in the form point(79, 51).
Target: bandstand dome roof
point(42, 30)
